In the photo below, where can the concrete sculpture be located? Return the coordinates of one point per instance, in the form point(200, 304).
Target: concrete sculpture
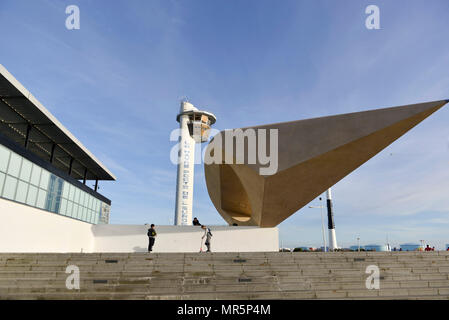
point(312, 155)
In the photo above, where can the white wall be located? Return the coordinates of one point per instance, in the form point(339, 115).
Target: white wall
point(133, 238)
point(27, 229)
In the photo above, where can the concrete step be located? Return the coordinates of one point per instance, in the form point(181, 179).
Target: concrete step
point(249, 255)
point(224, 261)
point(280, 276)
point(225, 275)
point(155, 281)
point(323, 294)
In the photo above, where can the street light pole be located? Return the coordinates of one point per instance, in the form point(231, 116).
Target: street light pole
point(322, 224)
point(322, 227)
point(358, 243)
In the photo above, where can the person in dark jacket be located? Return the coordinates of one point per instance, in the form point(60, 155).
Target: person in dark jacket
point(151, 237)
point(196, 222)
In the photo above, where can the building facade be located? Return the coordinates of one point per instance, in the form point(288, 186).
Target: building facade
point(42, 165)
point(28, 183)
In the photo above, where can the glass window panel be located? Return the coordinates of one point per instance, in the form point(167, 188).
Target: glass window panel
point(83, 198)
point(2, 180)
point(9, 190)
point(83, 213)
point(80, 198)
point(63, 207)
point(25, 172)
point(71, 192)
point(4, 158)
point(14, 164)
point(21, 193)
point(53, 195)
point(48, 201)
point(69, 211)
point(97, 209)
point(56, 205)
point(35, 175)
point(75, 210)
point(91, 202)
point(89, 215)
point(72, 206)
point(80, 212)
point(86, 200)
point(45, 177)
point(76, 199)
point(41, 197)
point(51, 185)
point(65, 190)
point(32, 195)
point(59, 184)
point(81, 201)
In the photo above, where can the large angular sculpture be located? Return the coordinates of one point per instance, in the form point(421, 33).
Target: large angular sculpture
point(313, 155)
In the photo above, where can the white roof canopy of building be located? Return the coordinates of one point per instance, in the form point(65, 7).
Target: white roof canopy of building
point(24, 120)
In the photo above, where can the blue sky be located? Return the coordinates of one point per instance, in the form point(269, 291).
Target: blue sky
point(116, 85)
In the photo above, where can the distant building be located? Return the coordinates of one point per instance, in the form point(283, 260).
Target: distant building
point(410, 247)
point(356, 248)
point(376, 247)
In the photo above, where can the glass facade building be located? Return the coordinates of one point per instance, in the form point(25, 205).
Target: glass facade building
point(410, 246)
point(30, 184)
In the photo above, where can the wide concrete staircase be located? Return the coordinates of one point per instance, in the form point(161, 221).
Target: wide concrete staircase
point(403, 275)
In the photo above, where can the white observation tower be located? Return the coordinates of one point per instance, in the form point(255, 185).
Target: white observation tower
point(194, 125)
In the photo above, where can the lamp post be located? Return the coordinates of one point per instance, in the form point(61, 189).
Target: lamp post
point(322, 223)
point(358, 243)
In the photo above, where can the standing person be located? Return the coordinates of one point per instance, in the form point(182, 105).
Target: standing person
point(151, 237)
point(196, 222)
point(208, 236)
